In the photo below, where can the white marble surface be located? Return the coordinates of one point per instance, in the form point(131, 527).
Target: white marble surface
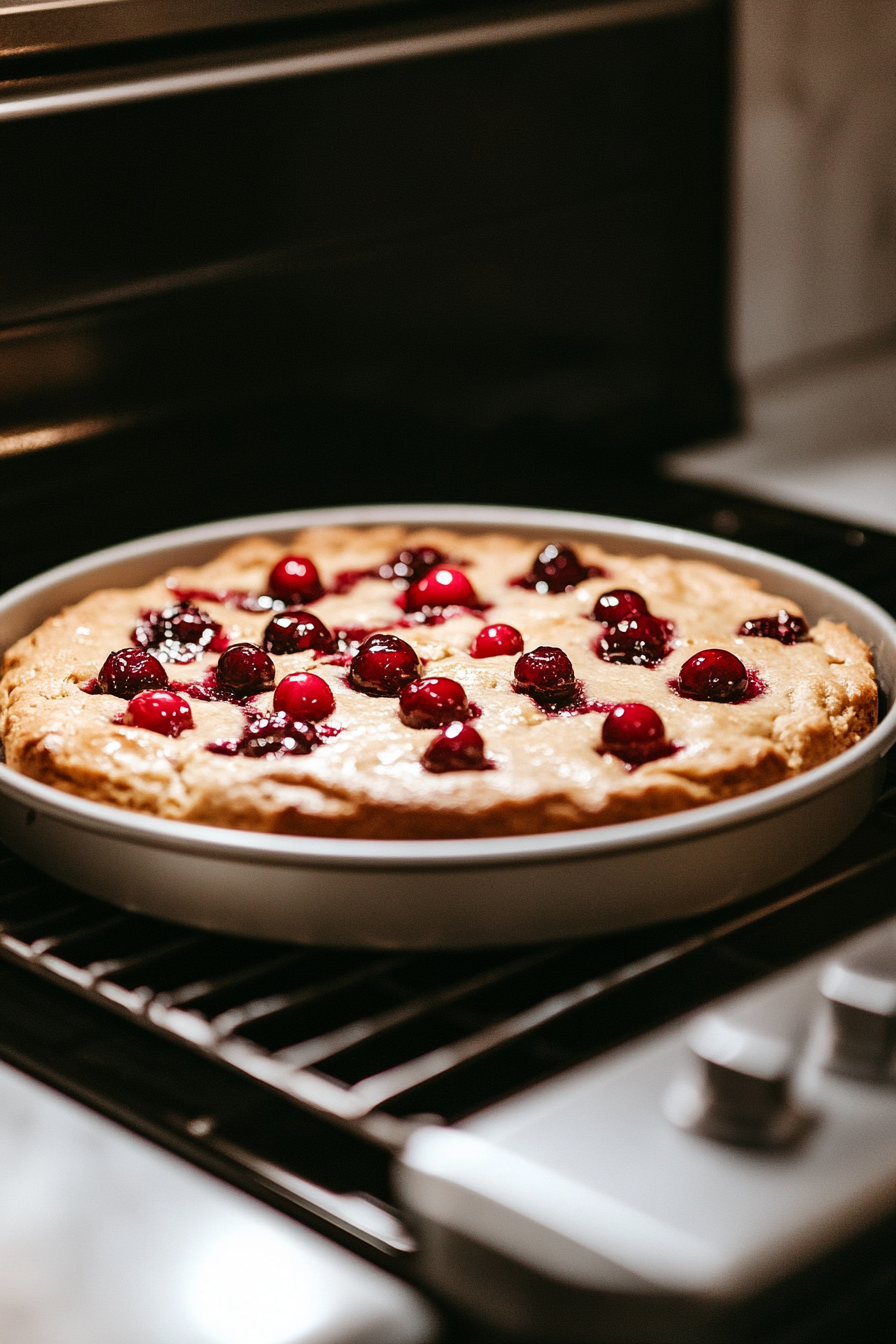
point(105, 1239)
point(815, 177)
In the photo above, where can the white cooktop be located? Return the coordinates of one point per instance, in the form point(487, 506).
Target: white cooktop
point(105, 1238)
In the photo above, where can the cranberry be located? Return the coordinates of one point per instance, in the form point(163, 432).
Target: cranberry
point(714, 674)
point(557, 570)
point(432, 701)
point(245, 668)
point(160, 712)
point(277, 735)
point(618, 605)
point(639, 640)
point(441, 587)
point(635, 733)
point(547, 675)
point(295, 631)
point(303, 695)
point(382, 665)
point(459, 747)
point(785, 628)
point(178, 634)
point(295, 579)
point(493, 640)
point(130, 671)
point(408, 566)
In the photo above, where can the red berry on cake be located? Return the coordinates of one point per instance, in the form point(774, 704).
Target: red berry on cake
point(178, 634)
point(295, 580)
point(635, 733)
point(303, 695)
point(277, 735)
point(547, 675)
point(637, 640)
point(159, 711)
point(408, 566)
point(128, 671)
point(296, 631)
point(714, 674)
point(431, 702)
point(382, 665)
point(442, 586)
point(495, 640)
point(458, 747)
point(784, 627)
point(246, 669)
point(618, 605)
point(557, 570)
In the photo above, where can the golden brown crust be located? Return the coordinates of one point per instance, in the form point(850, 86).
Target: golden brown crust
point(550, 774)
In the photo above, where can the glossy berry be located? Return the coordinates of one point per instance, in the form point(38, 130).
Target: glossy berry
point(547, 675)
point(295, 579)
point(785, 628)
point(459, 747)
point(714, 674)
point(408, 566)
point(296, 631)
point(618, 605)
point(431, 702)
point(303, 695)
point(638, 640)
point(635, 733)
point(178, 634)
point(159, 711)
point(382, 665)
point(128, 672)
point(277, 735)
point(246, 669)
point(557, 570)
point(442, 586)
point(494, 640)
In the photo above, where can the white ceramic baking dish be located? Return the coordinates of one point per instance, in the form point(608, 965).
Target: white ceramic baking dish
point(446, 893)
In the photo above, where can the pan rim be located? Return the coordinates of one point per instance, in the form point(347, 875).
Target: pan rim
point(400, 855)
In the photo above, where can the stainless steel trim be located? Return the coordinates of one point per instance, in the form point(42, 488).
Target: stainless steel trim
point(63, 25)
point(317, 61)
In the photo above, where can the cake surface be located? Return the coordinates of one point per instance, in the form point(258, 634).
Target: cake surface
point(545, 765)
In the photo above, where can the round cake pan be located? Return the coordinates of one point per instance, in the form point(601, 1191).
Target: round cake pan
point(446, 893)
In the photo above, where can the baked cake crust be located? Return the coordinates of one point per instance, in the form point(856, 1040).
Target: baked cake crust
point(550, 770)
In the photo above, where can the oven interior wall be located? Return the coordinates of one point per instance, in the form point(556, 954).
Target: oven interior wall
point(497, 274)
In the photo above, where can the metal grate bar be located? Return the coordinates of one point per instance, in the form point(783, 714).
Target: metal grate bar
point(313, 1051)
point(238, 1018)
point(20, 928)
point(104, 970)
point(201, 989)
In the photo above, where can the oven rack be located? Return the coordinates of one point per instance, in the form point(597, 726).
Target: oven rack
point(368, 1044)
point(356, 1034)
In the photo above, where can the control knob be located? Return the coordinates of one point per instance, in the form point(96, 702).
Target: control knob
point(860, 993)
point(738, 1086)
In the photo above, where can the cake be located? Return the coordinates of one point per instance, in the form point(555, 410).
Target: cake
point(394, 683)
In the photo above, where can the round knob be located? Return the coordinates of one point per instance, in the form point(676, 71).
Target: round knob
point(738, 1090)
point(860, 989)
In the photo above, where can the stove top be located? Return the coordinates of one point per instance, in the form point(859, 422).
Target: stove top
point(300, 1074)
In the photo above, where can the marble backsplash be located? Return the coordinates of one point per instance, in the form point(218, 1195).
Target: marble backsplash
point(815, 178)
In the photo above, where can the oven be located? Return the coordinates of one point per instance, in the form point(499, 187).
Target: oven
point(306, 1076)
point(357, 252)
